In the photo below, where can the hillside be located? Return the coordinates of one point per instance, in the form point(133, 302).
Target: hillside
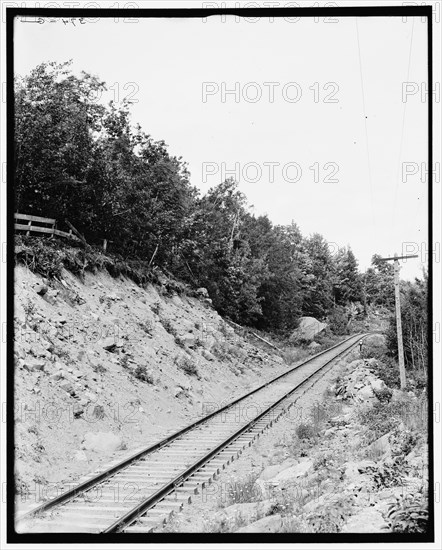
point(106, 356)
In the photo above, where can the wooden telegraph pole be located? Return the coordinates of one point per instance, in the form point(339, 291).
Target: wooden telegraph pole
point(397, 299)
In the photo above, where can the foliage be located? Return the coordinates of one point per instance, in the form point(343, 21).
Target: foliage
point(305, 431)
point(141, 373)
point(330, 519)
point(78, 159)
point(409, 514)
point(414, 306)
point(188, 366)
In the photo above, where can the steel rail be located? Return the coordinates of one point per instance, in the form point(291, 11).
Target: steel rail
point(95, 480)
point(169, 487)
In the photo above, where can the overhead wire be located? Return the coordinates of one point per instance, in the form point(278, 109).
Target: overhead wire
point(401, 145)
point(366, 128)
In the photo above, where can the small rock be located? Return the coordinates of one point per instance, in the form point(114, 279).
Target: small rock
point(41, 289)
point(111, 344)
point(58, 375)
point(178, 391)
point(33, 365)
point(207, 355)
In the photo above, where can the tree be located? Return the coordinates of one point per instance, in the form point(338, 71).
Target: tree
point(378, 283)
point(414, 307)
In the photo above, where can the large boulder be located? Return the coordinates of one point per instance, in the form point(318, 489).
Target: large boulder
point(308, 328)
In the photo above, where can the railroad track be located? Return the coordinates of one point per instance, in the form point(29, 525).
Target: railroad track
point(140, 493)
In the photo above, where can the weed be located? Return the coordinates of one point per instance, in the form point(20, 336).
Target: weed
point(168, 327)
point(409, 514)
point(141, 373)
point(29, 309)
point(156, 308)
point(330, 519)
point(147, 327)
point(188, 366)
point(99, 369)
point(180, 342)
point(242, 491)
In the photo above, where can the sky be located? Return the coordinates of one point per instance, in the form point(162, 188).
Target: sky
point(309, 116)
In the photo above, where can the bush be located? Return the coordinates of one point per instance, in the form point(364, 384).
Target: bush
point(305, 431)
point(142, 374)
point(409, 514)
point(188, 366)
point(338, 320)
point(387, 370)
point(382, 418)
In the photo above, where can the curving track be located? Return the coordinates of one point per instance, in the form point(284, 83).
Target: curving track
point(141, 492)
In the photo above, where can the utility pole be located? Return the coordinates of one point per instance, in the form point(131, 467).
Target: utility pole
point(397, 300)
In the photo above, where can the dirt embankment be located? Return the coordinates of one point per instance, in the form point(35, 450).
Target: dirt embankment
point(104, 367)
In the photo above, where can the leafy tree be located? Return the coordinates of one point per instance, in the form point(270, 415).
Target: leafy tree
point(378, 283)
point(414, 307)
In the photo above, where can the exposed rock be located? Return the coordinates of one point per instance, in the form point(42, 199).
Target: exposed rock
point(80, 456)
point(67, 386)
point(111, 344)
point(202, 293)
point(292, 472)
point(247, 512)
point(33, 365)
point(313, 346)
point(178, 391)
point(101, 442)
point(308, 328)
point(59, 375)
point(366, 521)
point(269, 524)
point(271, 471)
point(41, 289)
point(207, 355)
point(380, 446)
point(365, 393)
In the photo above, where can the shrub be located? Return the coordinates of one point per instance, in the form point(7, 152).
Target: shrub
point(293, 355)
point(188, 366)
point(330, 519)
point(168, 327)
point(305, 431)
point(142, 374)
point(409, 514)
point(179, 342)
point(389, 473)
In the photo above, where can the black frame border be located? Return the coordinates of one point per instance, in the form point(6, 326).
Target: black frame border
point(206, 538)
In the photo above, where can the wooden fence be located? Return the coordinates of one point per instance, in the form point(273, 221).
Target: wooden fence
point(36, 224)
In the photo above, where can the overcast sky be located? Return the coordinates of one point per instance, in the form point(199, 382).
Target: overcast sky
point(293, 131)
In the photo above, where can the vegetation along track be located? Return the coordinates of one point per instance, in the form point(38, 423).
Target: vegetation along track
point(141, 492)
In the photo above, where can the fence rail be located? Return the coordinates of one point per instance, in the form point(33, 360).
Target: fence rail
point(47, 227)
